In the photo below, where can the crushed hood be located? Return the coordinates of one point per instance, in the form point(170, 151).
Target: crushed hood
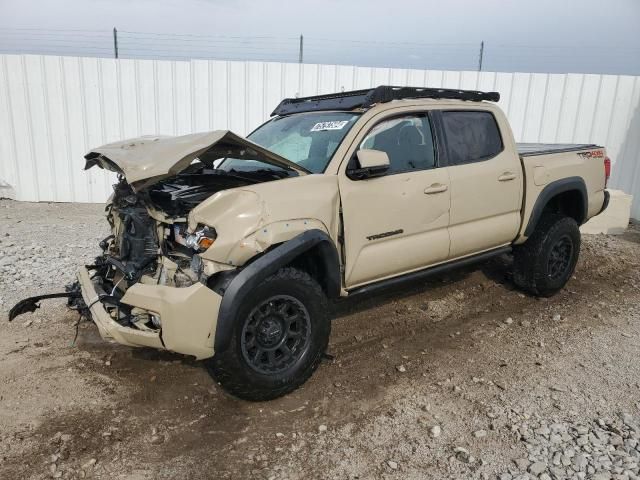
point(147, 160)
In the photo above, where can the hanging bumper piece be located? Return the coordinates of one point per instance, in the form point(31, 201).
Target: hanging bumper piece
point(31, 304)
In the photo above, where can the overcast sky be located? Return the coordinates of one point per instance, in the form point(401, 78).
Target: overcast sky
point(527, 35)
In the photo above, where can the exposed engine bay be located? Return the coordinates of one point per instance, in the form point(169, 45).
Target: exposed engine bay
point(176, 196)
point(149, 240)
point(150, 243)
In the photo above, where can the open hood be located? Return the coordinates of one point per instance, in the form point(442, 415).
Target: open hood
point(146, 160)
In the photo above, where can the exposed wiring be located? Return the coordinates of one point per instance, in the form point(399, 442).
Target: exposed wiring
point(160, 273)
point(77, 327)
point(113, 290)
point(82, 315)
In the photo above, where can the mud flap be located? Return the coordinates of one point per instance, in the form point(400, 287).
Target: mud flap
point(31, 304)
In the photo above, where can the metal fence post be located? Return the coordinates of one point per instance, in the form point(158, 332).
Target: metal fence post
point(115, 42)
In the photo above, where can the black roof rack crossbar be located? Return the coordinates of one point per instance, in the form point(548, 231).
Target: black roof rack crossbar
point(366, 98)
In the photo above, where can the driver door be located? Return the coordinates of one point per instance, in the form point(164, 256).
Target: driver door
point(396, 223)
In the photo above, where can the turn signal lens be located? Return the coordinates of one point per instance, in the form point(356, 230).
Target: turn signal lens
point(199, 240)
point(205, 242)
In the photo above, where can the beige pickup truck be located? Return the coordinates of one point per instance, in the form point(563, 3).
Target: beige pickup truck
point(231, 249)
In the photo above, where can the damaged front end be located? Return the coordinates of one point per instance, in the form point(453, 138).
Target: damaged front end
point(150, 286)
point(143, 289)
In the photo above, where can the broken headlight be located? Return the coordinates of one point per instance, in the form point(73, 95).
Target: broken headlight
point(201, 239)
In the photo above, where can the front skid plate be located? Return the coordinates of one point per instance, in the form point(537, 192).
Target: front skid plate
point(31, 304)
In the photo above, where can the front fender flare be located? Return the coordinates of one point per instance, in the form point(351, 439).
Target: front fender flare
point(249, 277)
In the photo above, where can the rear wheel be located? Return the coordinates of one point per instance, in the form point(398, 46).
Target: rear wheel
point(546, 261)
point(278, 339)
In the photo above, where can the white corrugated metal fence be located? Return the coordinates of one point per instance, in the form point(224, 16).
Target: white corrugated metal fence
point(53, 109)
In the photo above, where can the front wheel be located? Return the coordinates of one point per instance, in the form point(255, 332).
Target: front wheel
point(546, 261)
point(278, 339)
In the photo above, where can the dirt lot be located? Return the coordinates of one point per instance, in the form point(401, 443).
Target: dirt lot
point(459, 377)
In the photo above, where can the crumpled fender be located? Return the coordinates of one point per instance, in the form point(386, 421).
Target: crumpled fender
point(269, 235)
point(250, 220)
point(235, 214)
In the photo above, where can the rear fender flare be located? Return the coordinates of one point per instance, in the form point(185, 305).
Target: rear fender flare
point(240, 287)
point(550, 191)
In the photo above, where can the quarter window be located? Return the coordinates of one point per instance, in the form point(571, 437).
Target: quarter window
point(406, 140)
point(471, 136)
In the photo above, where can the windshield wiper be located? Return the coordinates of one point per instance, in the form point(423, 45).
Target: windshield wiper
point(262, 172)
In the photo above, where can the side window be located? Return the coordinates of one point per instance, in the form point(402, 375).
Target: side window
point(471, 136)
point(406, 140)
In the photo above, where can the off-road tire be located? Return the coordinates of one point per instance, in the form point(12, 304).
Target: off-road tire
point(232, 368)
point(532, 261)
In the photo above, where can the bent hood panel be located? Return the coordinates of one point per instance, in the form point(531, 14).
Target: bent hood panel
point(146, 160)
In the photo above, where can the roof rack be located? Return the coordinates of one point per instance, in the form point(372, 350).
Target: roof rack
point(369, 97)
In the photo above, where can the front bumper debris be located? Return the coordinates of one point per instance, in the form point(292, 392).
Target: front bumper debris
point(109, 329)
point(188, 316)
point(31, 304)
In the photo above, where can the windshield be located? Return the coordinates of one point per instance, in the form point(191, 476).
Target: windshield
point(308, 139)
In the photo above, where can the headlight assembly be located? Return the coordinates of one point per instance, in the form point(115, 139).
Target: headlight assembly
point(201, 239)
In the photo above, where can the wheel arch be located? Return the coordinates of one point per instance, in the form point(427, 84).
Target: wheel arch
point(567, 196)
point(310, 249)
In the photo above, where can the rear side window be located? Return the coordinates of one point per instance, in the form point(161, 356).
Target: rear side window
point(472, 136)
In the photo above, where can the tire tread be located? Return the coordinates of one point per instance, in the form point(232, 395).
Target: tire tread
point(225, 367)
point(528, 273)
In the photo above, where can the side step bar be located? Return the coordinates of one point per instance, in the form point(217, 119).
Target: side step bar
point(428, 272)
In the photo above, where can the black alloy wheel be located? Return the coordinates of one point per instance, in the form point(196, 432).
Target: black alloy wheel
point(276, 334)
point(560, 257)
point(280, 334)
point(546, 261)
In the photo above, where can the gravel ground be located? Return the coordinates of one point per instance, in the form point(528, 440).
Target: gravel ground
point(461, 377)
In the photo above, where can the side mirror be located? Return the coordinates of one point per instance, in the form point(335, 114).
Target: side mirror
point(371, 164)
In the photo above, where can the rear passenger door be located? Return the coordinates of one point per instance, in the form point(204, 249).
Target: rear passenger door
point(486, 182)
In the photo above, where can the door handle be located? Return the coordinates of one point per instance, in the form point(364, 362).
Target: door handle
point(435, 188)
point(506, 176)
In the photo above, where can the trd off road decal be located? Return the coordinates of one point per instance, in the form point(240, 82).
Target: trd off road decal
point(592, 154)
point(334, 125)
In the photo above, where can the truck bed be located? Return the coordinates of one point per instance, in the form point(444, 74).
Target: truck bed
point(531, 149)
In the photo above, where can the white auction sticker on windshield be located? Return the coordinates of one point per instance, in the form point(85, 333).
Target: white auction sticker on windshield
point(335, 125)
